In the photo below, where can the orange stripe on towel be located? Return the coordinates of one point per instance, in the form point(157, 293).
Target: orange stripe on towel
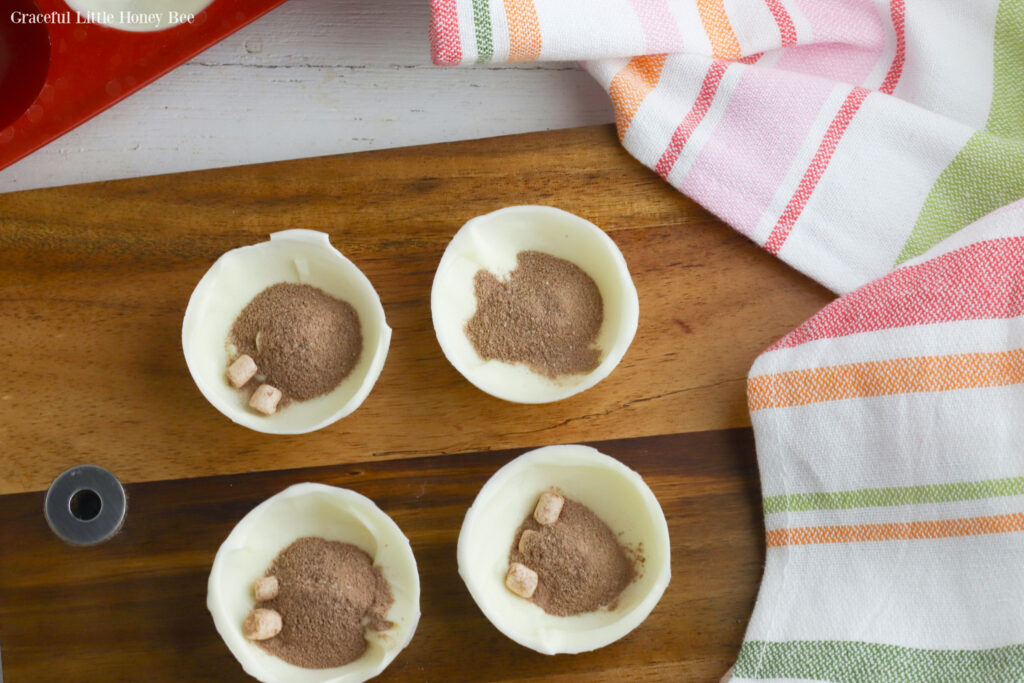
point(631, 85)
point(899, 531)
point(886, 377)
point(724, 44)
point(523, 31)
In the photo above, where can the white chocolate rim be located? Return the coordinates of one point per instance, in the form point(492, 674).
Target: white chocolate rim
point(304, 256)
point(491, 242)
point(333, 513)
point(144, 16)
point(617, 494)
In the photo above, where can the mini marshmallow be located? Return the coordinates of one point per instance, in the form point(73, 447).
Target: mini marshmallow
point(261, 624)
point(241, 371)
point(265, 399)
point(521, 580)
point(527, 539)
point(265, 588)
point(548, 508)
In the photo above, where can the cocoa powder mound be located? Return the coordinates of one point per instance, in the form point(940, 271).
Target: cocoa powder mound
point(329, 594)
point(546, 315)
point(580, 565)
point(304, 341)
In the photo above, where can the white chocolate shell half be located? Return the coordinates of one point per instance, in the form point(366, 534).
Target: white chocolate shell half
point(298, 256)
point(615, 493)
point(491, 242)
point(332, 513)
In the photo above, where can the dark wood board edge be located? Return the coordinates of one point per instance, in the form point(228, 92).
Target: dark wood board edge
point(133, 608)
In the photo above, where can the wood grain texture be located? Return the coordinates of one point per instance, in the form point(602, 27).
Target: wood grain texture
point(94, 281)
point(133, 608)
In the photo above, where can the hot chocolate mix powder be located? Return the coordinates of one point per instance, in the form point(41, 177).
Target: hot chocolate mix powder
point(580, 565)
point(329, 593)
point(304, 341)
point(547, 315)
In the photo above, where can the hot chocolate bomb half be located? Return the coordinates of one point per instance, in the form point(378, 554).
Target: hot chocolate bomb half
point(615, 493)
point(290, 256)
point(494, 243)
point(333, 514)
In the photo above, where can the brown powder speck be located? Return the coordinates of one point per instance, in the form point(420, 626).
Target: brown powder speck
point(579, 562)
point(304, 341)
point(329, 594)
point(547, 315)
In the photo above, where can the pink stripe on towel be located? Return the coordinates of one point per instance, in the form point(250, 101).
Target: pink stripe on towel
point(765, 122)
point(661, 33)
point(693, 118)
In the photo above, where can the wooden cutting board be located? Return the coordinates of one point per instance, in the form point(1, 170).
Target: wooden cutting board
point(94, 280)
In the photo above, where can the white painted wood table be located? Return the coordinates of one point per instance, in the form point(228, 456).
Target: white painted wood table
point(313, 77)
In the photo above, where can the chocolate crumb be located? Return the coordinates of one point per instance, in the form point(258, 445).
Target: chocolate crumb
point(304, 341)
point(546, 315)
point(581, 566)
point(329, 593)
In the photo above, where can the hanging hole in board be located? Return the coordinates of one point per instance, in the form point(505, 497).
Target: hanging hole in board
point(85, 505)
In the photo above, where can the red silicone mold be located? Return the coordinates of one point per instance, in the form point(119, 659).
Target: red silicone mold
point(55, 76)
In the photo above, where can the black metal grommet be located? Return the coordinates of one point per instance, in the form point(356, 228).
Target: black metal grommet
point(85, 505)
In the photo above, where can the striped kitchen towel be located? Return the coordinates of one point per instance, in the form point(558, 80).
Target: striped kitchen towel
point(878, 147)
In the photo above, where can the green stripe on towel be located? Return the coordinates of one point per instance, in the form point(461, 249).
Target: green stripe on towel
point(989, 171)
point(482, 28)
point(897, 495)
point(857, 662)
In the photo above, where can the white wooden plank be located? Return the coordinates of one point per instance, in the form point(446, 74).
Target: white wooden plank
point(313, 77)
